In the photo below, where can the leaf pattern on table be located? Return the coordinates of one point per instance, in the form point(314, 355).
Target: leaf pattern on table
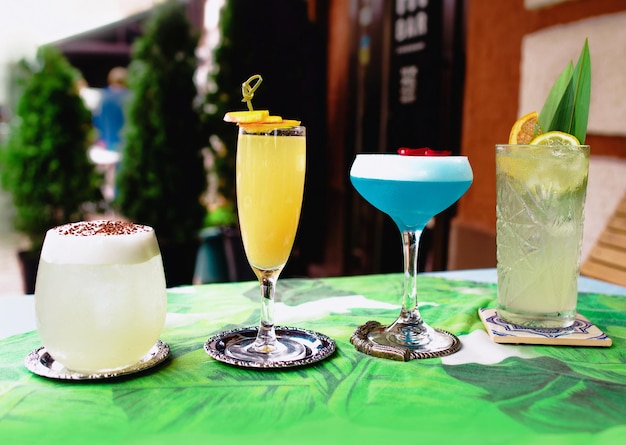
point(193, 394)
point(548, 395)
point(561, 390)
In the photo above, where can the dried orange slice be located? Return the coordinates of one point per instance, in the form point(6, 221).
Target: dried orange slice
point(289, 123)
point(270, 119)
point(263, 127)
point(525, 129)
point(241, 117)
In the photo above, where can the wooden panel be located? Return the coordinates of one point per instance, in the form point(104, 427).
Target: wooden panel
point(621, 208)
point(617, 223)
point(616, 239)
point(604, 272)
point(609, 254)
point(607, 259)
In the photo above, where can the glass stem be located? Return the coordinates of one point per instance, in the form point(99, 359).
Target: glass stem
point(266, 337)
point(410, 315)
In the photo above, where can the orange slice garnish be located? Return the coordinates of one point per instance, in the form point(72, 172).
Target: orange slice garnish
point(270, 119)
point(525, 129)
point(242, 117)
point(263, 127)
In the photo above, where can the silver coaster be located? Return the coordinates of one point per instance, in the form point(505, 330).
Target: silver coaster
point(361, 341)
point(317, 347)
point(41, 363)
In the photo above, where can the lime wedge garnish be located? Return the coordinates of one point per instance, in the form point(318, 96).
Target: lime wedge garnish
point(555, 138)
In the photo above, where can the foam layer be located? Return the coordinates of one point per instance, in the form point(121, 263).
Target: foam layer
point(411, 168)
point(100, 242)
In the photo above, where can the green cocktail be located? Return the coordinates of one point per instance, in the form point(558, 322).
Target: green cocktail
point(540, 208)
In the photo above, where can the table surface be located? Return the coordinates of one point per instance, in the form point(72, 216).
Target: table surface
point(485, 393)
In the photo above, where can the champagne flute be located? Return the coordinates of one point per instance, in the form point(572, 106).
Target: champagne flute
point(270, 185)
point(411, 190)
point(270, 169)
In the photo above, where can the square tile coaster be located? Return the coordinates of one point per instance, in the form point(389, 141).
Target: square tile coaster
point(581, 333)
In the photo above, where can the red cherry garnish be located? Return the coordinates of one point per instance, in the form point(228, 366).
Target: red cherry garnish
point(422, 152)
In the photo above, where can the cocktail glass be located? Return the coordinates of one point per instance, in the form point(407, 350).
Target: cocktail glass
point(100, 295)
point(270, 169)
point(411, 190)
point(540, 202)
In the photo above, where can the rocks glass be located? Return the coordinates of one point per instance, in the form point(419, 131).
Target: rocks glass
point(100, 295)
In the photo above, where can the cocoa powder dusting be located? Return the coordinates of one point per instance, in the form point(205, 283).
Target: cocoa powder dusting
point(91, 228)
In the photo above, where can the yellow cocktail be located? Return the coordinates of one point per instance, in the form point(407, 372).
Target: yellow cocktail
point(270, 185)
point(271, 161)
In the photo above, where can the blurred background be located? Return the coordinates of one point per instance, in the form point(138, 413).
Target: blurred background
point(363, 76)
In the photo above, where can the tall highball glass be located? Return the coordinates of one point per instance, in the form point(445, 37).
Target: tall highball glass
point(540, 203)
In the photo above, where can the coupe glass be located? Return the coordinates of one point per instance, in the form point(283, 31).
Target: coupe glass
point(270, 170)
point(411, 190)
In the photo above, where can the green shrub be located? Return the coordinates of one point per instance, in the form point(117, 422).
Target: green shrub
point(162, 175)
point(44, 163)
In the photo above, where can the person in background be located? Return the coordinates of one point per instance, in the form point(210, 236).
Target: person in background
point(4, 124)
point(108, 119)
point(109, 114)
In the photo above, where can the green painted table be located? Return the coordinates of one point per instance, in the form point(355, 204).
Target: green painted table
point(485, 393)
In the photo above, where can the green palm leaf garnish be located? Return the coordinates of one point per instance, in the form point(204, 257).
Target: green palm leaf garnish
point(554, 99)
point(567, 105)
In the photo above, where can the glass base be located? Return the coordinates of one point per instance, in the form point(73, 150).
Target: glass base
point(285, 349)
point(296, 347)
point(558, 320)
point(40, 362)
point(403, 342)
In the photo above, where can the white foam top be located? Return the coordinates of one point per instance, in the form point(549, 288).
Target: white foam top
point(100, 242)
point(390, 166)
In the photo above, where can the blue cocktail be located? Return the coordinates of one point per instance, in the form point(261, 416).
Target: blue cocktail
point(411, 190)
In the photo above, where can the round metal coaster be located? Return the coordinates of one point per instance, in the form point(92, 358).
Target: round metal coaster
point(361, 341)
point(317, 347)
point(40, 362)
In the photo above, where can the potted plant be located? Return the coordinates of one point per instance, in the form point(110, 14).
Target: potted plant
point(44, 163)
point(161, 176)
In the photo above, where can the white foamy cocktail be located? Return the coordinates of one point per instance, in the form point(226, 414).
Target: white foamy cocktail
point(100, 295)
